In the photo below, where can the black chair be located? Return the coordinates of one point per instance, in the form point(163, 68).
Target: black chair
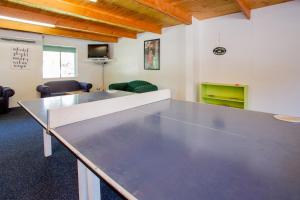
point(5, 93)
point(58, 88)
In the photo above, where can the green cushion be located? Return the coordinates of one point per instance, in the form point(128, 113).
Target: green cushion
point(118, 86)
point(137, 86)
point(134, 84)
point(145, 88)
point(137, 83)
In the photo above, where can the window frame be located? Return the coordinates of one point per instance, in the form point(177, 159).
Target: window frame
point(61, 49)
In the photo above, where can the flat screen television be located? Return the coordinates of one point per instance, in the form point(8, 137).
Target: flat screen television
point(98, 51)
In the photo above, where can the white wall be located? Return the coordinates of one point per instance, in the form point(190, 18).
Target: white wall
point(262, 53)
point(24, 82)
point(128, 61)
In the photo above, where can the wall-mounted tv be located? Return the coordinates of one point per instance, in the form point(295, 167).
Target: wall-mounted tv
point(98, 51)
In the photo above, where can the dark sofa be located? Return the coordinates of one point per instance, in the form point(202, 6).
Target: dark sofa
point(137, 86)
point(57, 88)
point(5, 93)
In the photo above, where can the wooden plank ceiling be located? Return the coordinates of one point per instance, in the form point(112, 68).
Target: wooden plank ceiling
point(204, 9)
point(108, 20)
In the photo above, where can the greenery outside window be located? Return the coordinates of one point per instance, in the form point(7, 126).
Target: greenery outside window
point(59, 62)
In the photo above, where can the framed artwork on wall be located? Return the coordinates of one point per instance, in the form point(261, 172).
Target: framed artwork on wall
point(152, 54)
point(20, 58)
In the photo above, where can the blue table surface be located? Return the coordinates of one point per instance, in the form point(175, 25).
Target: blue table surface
point(181, 150)
point(38, 107)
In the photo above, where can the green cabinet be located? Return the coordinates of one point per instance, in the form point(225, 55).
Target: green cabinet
point(232, 95)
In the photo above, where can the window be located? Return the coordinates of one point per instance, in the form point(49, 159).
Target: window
point(59, 62)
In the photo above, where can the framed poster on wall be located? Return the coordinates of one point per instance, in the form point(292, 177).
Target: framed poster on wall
point(152, 54)
point(20, 58)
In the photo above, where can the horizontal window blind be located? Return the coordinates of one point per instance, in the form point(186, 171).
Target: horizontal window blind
point(59, 49)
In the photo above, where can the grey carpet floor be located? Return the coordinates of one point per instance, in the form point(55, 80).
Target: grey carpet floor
point(24, 171)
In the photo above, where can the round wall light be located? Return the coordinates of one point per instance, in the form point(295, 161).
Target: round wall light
point(219, 51)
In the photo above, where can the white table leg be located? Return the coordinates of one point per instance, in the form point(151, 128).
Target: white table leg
point(88, 183)
point(82, 181)
point(93, 181)
point(47, 144)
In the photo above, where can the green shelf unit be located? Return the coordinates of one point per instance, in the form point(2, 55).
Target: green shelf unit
point(232, 95)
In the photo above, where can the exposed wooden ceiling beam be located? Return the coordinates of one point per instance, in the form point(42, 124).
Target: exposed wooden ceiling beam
point(168, 9)
point(6, 24)
point(92, 13)
point(245, 8)
point(84, 26)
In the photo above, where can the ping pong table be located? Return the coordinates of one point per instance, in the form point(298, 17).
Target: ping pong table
point(38, 108)
point(149, 146)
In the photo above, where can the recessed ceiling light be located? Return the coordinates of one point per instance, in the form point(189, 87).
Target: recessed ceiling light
point(27, 21)
point(93, 0)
